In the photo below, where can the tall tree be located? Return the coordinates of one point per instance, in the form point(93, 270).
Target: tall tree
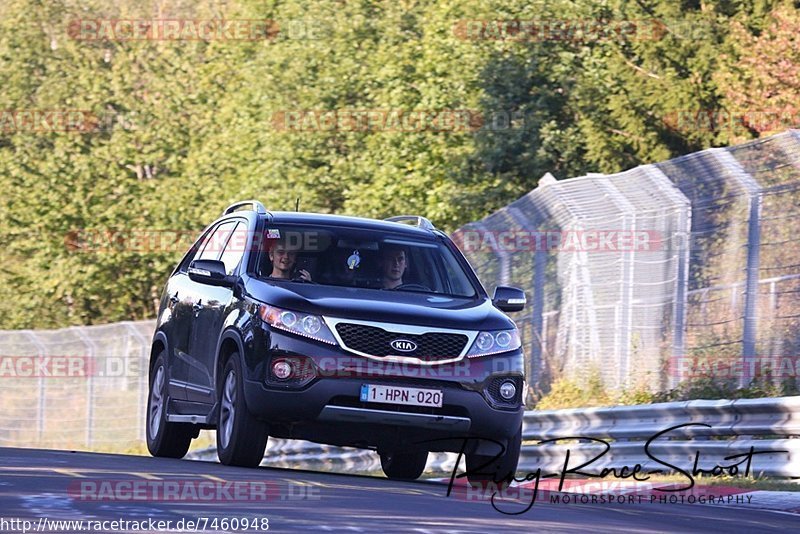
point(761, 82)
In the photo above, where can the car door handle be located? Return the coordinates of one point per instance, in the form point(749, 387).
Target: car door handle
point(197, 306)
point(174, 299)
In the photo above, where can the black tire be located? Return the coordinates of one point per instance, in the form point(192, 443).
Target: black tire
point(403, 466)
point(164, 439)
point(241, 438)
point(501, 470)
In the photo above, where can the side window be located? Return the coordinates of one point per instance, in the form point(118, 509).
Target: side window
point(192, 253)
point(212, 249)
point(234, 250)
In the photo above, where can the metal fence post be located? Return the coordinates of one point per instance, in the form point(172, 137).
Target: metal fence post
point(90, 344)
point(40, 406)
point(537, 313)
point(681, 296)
point(626, 293)
point(627, 301)
point(751, 293)
point(749, 333)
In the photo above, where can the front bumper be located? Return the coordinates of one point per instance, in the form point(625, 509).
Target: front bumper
point(326, 407)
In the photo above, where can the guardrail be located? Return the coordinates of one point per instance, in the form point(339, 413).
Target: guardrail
point(769, 425)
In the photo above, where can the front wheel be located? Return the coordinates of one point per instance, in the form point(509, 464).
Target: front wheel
point(500, 470)
point(164, 439)
point(403, 466)
point(241, 438)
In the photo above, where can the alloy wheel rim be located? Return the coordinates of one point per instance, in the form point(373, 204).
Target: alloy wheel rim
point(228, 409)
point(157, 402)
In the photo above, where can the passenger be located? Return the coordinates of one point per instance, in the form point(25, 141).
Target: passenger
point(283, 262)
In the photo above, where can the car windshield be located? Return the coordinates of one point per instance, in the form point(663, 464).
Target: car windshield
point(356, 257)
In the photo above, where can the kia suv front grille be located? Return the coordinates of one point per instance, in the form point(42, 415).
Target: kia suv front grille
point(377, 342)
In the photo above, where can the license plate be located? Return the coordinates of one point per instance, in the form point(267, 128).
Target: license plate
point(401, 395)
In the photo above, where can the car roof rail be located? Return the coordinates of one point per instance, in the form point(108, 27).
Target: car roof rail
point(419, 221)
point(256, 206)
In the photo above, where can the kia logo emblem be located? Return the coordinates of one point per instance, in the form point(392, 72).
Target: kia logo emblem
point(403, 345)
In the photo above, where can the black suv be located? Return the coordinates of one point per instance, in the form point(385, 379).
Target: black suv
point(339, 330)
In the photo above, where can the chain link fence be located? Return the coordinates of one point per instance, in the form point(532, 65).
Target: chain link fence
point(698, 276)
point(637, 277)
point(601, 257)
point(80, 387)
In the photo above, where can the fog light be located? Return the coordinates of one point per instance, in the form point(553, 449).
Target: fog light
point(508, 390)
point(282, 369)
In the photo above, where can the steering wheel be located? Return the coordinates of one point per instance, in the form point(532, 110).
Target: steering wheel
point(413, 287)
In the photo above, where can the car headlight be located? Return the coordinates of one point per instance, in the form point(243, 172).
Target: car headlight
point(302, 324)
point(494, 342)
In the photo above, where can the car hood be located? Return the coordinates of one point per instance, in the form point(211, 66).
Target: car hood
point(403, 307)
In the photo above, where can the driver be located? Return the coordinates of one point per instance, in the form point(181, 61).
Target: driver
point(393, 264)
point(283, 261)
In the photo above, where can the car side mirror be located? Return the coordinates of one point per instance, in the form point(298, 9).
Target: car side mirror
point(509, 299)
point(210, 272)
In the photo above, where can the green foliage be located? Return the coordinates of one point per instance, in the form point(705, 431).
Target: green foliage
point(759, 81)
point(565, 393)
point(711, 388)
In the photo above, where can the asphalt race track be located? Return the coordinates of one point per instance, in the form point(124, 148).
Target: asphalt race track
point(62, 485)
